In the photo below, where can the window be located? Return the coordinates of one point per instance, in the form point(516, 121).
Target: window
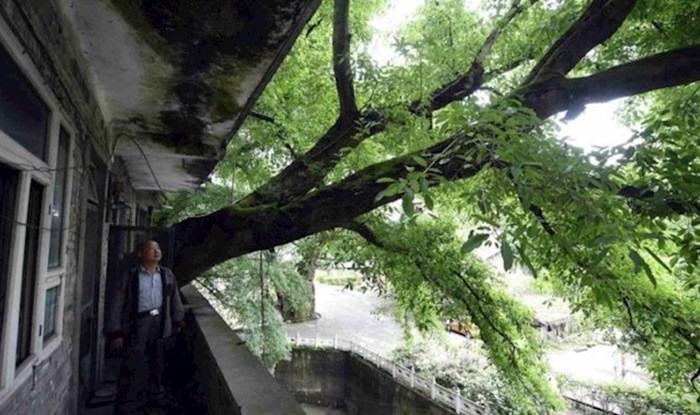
point(51, 312)
point(35, 190)
point(9, 179)
point(23, 115)
point(59, 196)
point(29, 268)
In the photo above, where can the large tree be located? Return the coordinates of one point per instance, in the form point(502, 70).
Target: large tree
point(464, 123)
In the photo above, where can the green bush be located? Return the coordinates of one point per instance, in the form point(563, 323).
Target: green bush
point(343, 278)
point(459, 366)
point(631, 399)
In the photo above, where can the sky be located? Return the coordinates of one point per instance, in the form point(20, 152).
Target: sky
point(596, 126)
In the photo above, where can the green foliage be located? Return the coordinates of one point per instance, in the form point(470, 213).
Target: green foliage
point(244, 291)
point(628, 263)
point(605, 258)
point(630, 399)
point(337, 277)
point(460, 366)
point(423, 266)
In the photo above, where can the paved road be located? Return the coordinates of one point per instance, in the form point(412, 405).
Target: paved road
point(351, 315)
point(354, 316)
point(599, 364)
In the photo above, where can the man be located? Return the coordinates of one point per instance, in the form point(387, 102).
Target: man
point(145, 308)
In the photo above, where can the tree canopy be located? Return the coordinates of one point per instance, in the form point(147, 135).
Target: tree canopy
point(462, 128)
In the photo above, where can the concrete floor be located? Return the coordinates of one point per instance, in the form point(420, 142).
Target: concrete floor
point(320, 410)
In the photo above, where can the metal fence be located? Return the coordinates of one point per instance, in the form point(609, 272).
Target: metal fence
point(406, 376)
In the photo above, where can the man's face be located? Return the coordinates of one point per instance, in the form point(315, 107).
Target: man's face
point(150, 252)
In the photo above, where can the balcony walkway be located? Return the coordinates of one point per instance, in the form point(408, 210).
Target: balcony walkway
point(102, 401)
point(210, 371)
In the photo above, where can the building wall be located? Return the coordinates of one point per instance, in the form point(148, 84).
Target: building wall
point(49, 41)
point(45, 36)
point(340, 379)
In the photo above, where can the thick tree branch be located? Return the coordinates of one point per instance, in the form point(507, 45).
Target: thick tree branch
point(307, 171)
point(667, 69)
point(467, 83)
point(238, 230)
point(493, 73)
point(341, 59)
point(599, 21)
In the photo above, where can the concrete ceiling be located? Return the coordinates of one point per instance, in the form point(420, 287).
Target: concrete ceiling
point(176, 78)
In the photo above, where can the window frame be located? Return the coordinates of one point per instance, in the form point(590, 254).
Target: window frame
point(67, 187)
point(32, 168)
point(50, 344)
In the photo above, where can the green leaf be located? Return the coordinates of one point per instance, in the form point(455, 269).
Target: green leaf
point(428, 201)
point(380, 196)
point(385, 180)
point(639, 263)
point(659, 260)
point(420, 161)
point(507, 254)
point(528, 263)
point(407, 202)
point(474, 242)
point(607, 239)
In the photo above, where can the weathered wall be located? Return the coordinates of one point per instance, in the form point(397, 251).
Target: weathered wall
point(48, 391)
point(52, 388)
point(340, 379)
point(52, 46)
point(48, 41)
point(315, 376)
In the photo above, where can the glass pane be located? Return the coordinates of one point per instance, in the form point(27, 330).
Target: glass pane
point(23, 114)
point(8, 189)
point(59, 194)
point(31, 257)
point(51, 311)
point(91, 259)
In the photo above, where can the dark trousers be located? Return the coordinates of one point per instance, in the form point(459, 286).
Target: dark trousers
point(141, 370)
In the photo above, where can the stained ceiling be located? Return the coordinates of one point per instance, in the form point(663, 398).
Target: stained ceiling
point(177, 78)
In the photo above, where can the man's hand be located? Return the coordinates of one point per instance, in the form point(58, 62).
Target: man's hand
point(179, 325)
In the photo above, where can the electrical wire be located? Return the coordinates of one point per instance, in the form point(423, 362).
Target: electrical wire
point(148, 163)
point(41, 228)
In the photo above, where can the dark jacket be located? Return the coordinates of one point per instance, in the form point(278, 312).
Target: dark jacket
point(123, 305)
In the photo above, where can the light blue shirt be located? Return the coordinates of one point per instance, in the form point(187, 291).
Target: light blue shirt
point(150, 289)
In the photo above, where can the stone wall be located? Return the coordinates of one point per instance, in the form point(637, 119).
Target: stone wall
point(340, 379)
point(224, 377)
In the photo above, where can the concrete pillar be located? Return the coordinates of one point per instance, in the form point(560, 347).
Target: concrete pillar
point(458, 401)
